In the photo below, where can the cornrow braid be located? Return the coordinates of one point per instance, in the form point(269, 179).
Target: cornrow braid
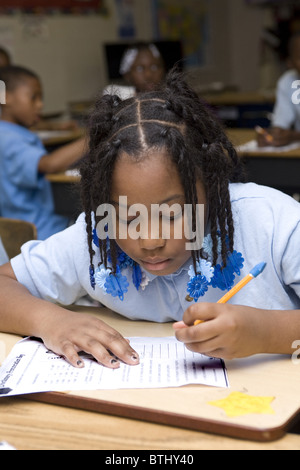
point(175, 119)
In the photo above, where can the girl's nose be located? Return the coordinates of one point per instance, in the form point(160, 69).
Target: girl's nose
point(151, 244)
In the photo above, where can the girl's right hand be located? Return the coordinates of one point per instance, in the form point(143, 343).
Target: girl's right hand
point(68, 333)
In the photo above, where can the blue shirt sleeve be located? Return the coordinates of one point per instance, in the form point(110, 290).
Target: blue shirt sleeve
point(22, 156)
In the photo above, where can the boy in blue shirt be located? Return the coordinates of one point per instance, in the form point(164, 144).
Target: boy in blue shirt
point(24, 162)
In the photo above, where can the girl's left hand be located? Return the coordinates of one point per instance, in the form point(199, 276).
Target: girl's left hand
point(228, 331)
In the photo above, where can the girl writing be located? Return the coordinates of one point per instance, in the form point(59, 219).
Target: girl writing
point(162, 149)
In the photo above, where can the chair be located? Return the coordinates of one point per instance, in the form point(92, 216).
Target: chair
point(14, 233)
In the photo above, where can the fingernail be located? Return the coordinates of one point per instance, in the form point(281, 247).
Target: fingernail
point(114, 361)
point(134, 357)
point(179, 325)
point(80, 363)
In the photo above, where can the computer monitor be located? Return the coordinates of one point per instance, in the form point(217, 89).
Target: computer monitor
point(171, 52)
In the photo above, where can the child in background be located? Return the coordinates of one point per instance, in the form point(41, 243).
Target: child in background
point(24, 162)
point(162, 149)
point(142, 67)
point(286, 117)
point(43, 124)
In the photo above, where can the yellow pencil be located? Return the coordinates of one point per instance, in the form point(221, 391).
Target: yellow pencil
point(268, 137)
point(256, 271)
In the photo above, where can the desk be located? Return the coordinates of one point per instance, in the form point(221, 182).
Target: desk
point(242, 136)
point(242, 109)
point(280, 170)
point(53, 139)
point(31, 425)
point(37, 426)
point(231, 98)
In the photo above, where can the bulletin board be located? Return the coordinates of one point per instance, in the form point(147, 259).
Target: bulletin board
point(188, 21)
point(65, 6)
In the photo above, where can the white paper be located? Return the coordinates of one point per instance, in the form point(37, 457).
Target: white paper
point(51, 134)
point(73, 172)
point(252, 146)
point(164, 362)
point(6, 446)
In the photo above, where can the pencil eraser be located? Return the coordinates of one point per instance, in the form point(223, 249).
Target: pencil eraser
point(258, 269)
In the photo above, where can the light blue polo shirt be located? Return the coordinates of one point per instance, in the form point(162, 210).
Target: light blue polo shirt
point(267, 228)
point(24, 192)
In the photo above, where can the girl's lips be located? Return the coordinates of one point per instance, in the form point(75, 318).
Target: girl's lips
point(155, 264)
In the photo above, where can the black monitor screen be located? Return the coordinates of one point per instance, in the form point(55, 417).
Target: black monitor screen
point(171, 52)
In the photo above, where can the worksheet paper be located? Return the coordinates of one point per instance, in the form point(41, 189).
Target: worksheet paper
point(252, 146)
point(164, 362)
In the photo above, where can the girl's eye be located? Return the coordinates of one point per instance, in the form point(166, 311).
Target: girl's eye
point(172, 217)
point(139, 69)
point(126, 221)
point(165, 217)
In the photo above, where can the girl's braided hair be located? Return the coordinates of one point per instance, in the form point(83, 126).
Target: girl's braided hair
point(173, 118)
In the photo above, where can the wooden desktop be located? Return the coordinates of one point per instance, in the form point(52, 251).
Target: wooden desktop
point(175, 418)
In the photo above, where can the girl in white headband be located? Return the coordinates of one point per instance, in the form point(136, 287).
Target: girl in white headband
point(142, 67)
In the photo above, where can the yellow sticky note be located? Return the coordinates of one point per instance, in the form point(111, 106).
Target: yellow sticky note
point(239, 404)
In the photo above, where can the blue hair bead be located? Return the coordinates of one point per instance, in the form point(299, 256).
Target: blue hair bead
point(92, 277)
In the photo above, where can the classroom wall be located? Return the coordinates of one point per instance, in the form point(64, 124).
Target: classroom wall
point(66, 50)
point(245, 25)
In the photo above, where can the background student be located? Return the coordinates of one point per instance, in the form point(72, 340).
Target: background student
point(25, 193)
point(286, 117)
point(142, 67)
point(43, 124)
